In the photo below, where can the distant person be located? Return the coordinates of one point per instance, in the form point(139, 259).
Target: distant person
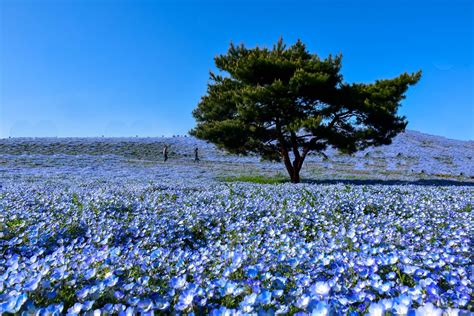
point(196, 154)
point(165, 153)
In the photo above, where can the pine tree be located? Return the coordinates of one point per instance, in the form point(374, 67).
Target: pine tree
point(284, 102)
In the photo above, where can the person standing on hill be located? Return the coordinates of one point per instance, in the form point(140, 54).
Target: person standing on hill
point(165, 153)
point(196, 154)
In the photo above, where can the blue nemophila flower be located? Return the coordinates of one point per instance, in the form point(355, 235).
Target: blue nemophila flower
point(228, 288)
point(252, 272)
point(133, 300)
point(55, 309)
point(248, 302)
point(279, 283)
point(32, 284)
point(161, 304)
point(90, 273)
point(319, 308)
point(222, 311)
point(130, 311)
point(376, 309)
point(111, 281)
point(75, 309)
point(320, 288)
point(13, 304)
point(178, 282)
point(185, 300)
point(82, 293)
point(428, 309)
point(452, 311)
point(277, 293)
point(144, 305)
point(87, 305)
point(129, 286)
point(200, 300)
point(303, 301)
point(264, 298)
point(385, 287)
point(119, 294)
point(400, 308)
point(108, 308)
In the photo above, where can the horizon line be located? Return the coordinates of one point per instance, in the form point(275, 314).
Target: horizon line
point(185, 136)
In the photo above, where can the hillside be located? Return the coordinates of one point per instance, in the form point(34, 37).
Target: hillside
point(411, 153)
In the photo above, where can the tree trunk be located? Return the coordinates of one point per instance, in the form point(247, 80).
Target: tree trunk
point(293, 169)
point(296, 176)
point(289, 166)
point(297, 164)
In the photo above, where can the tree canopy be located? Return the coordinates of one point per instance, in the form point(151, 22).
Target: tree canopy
point(284, 102)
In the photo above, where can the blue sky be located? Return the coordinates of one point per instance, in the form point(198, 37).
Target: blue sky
point(126, 68)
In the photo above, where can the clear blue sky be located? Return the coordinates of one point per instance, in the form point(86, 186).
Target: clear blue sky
point(125, 68)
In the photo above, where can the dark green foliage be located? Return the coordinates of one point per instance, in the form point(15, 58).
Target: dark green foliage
point(284, 100)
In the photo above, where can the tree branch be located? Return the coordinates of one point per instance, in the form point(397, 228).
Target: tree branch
point(337, 117)
point(303, 136)
point(283, 150)
point(294, 144)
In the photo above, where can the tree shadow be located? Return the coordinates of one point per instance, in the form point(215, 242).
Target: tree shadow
point(423, 182)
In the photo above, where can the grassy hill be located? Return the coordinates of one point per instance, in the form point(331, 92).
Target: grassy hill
point(412, 154)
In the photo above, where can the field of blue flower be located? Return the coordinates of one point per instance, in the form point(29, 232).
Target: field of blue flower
point(102, 235)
